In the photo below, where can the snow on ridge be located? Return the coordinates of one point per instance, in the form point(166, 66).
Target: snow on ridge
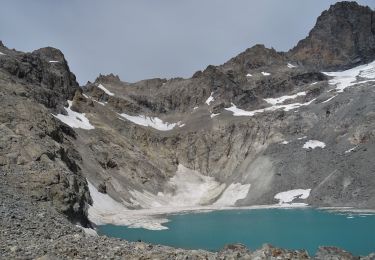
point(105, 90)
point(274, 101)
point(240, 112)
point(74, 119)
point(348, 78)
point(265, 73)
point(210, 99)
point(290, 195)
point(312, 144)
point(153, 122)
point(291, 66)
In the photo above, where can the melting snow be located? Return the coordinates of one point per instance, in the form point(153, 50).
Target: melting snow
point(232, 194)
point(348, 78)
point(189, 188)
point(274, 101)
point(106, 210)
point(240, 112)
point(289, 196)
point(153, 122)
point(105, 90)
point(210, 99)
point(74, 119)
point(312, 144)
point(265, 73)
point(291, 66)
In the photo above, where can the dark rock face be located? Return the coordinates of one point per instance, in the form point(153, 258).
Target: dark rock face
point(342, 37)
point(37, 153)
point(45, 73)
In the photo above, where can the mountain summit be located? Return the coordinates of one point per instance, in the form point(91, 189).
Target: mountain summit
point(343, 36)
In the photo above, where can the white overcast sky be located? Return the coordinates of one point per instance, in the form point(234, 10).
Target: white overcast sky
point(142, 39)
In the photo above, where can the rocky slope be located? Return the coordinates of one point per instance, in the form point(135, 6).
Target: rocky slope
point(238, 134)
point(262, 149)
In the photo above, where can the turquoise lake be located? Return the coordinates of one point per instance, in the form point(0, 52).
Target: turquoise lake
point(287, 228)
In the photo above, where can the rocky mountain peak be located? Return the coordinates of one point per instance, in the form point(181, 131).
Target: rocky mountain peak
point(45, 72)
point(343, 36)
point(253, 58)
point(109, 78)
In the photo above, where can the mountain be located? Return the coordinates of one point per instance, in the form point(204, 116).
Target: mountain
point(266, 127)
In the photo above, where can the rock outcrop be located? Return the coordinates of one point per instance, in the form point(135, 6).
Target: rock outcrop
point(343, 36)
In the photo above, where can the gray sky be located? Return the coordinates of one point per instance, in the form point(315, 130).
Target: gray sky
point(142, 39)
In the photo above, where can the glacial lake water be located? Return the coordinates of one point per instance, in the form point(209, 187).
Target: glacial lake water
point(287, 228)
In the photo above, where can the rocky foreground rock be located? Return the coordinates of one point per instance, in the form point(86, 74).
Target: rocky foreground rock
point(45, 162)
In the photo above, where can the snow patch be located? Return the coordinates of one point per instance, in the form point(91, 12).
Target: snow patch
point(2, 53)
point(274, 101)
point(348, 78)
point(329, 99)
point(240, 112)
point(266, 73)
point(101, 103)
point(289, 196)
point(75, 119)
point(248, 75)
point(153, 122)
point(105, 90)
point(53, 61)
point(291, 66)
point(351, 149)
point(195, 108)
point(213, 115)
point(210, 99)
point(312, 144)
point(284, 142)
